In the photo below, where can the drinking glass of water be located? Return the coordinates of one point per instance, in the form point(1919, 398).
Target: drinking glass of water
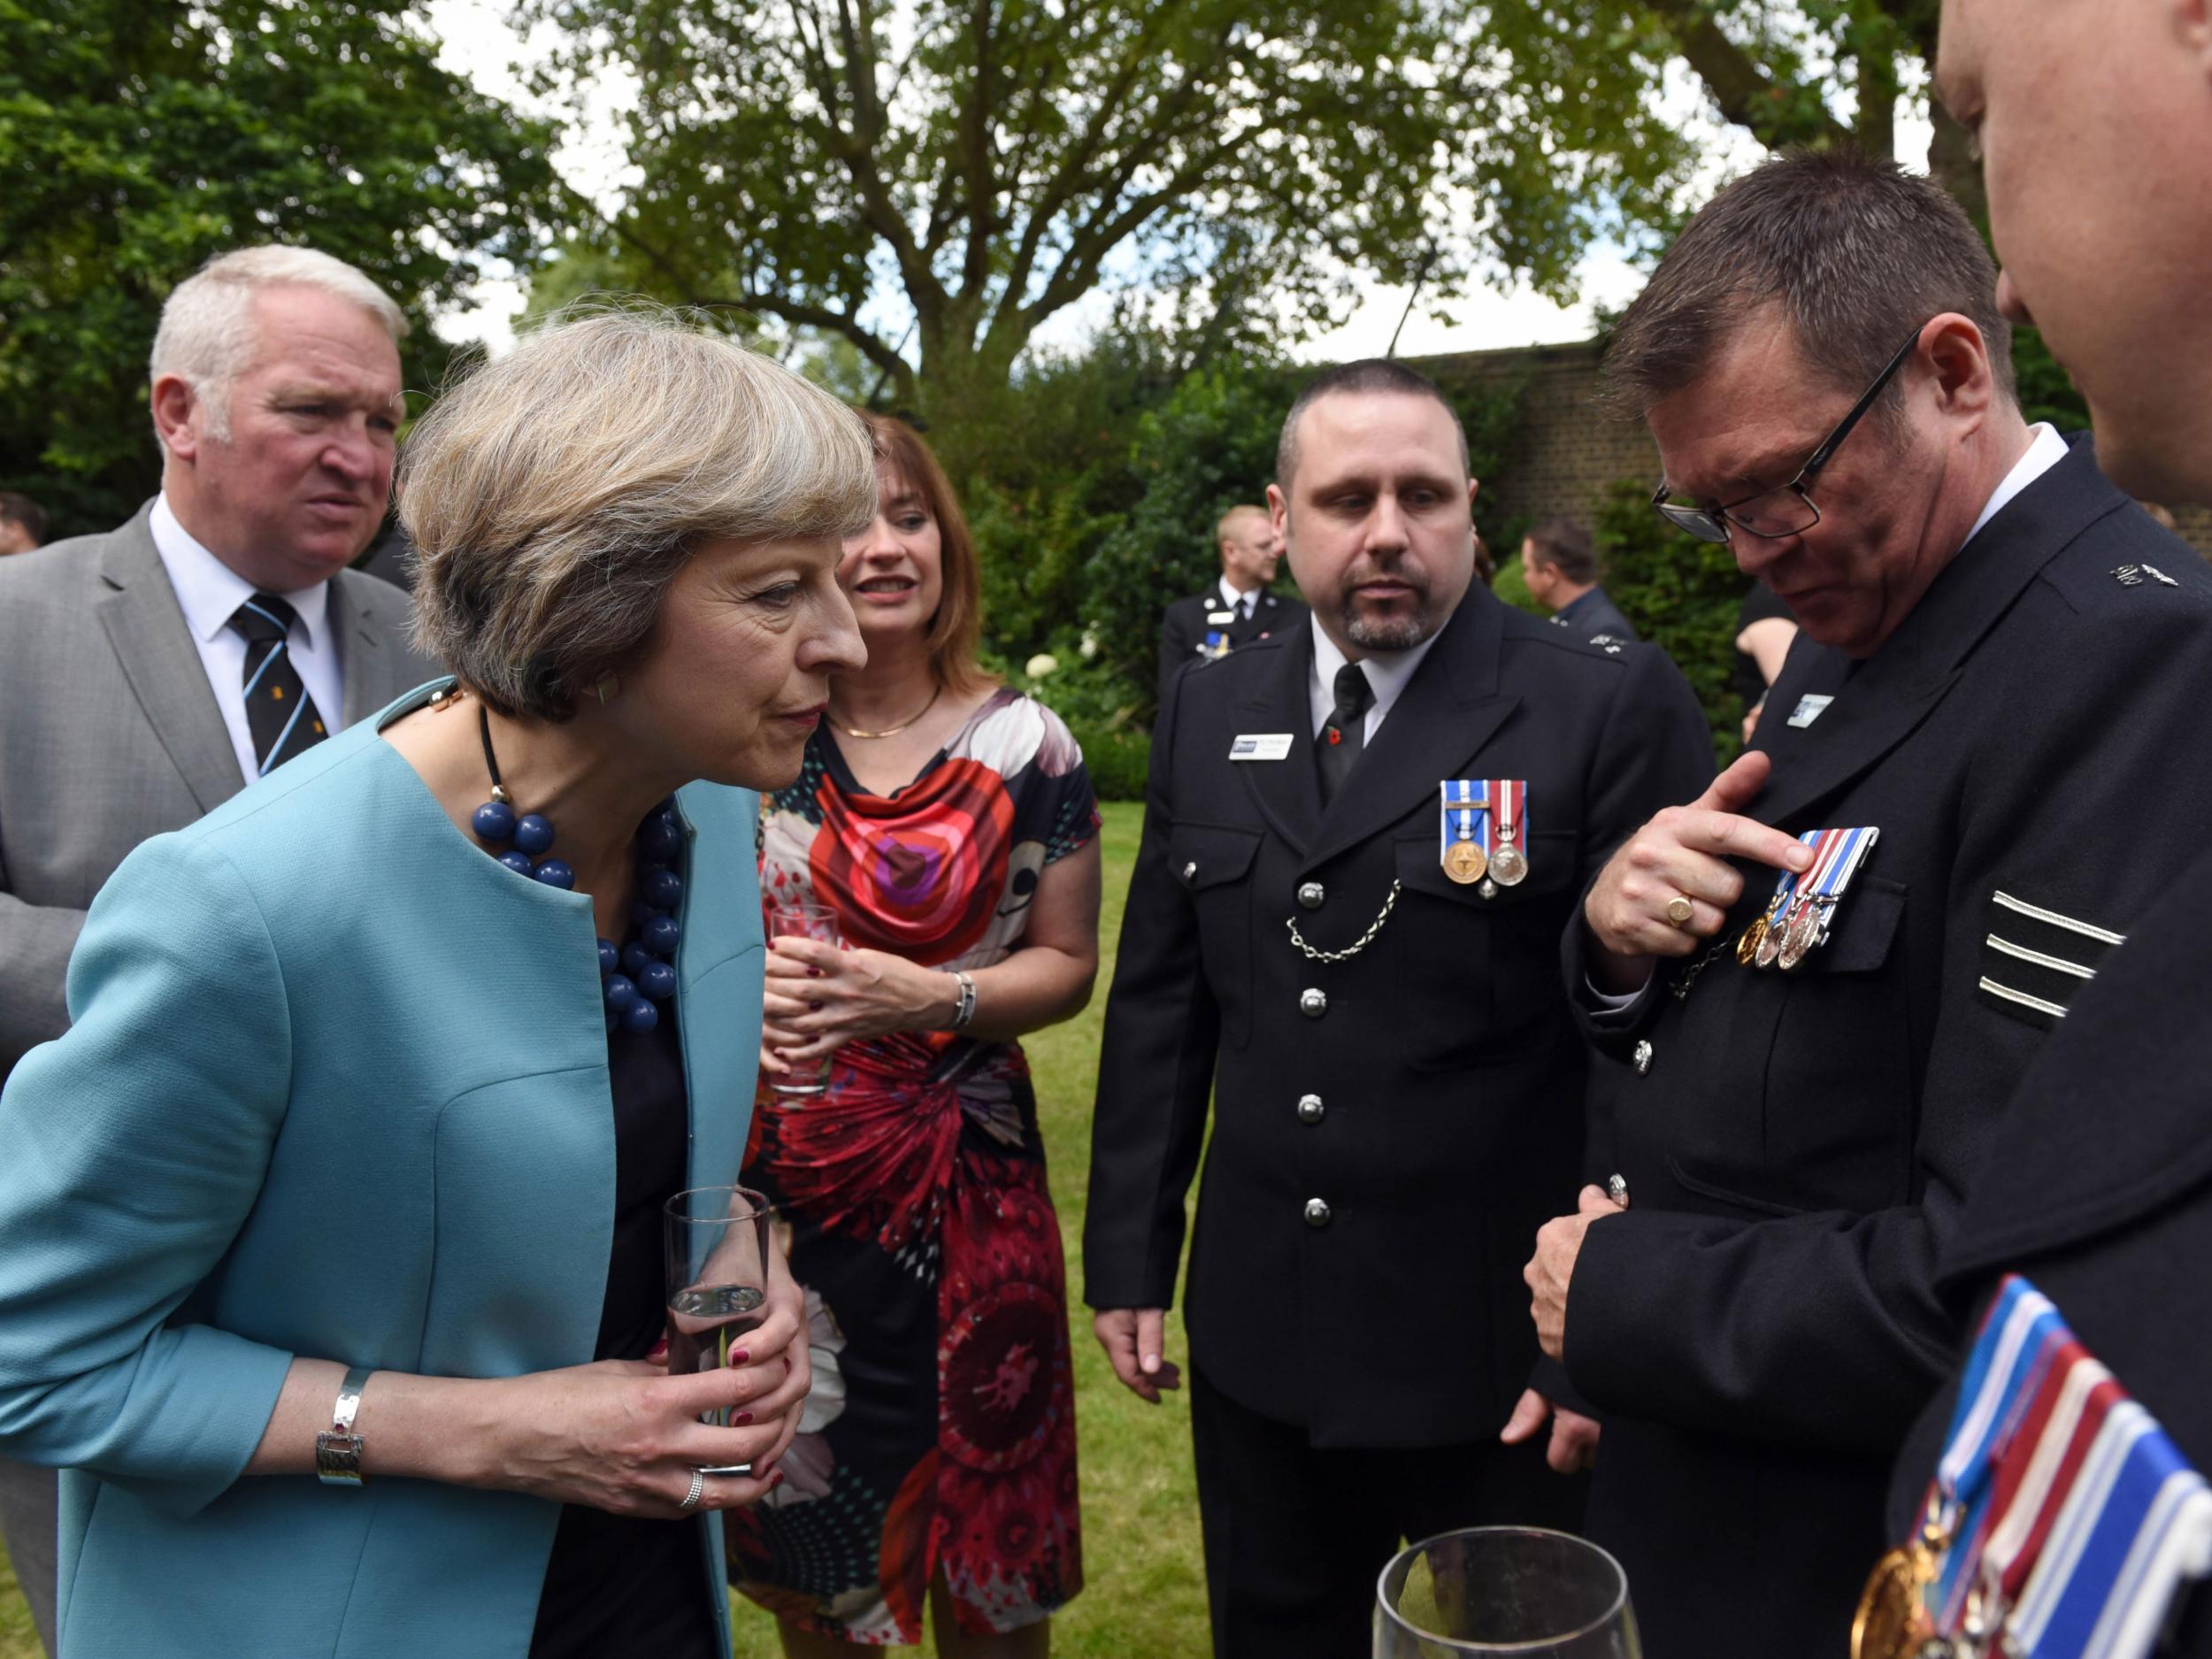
point(795, 918)
point(718, 1244)
point(1517, 1590)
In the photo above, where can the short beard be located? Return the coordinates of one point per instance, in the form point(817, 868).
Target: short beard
point(1387, 633)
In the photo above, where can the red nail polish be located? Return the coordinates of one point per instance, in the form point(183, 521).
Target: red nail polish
point(738, 1356)
point(814, 973)
point(740, 1419)
point(776, 1480)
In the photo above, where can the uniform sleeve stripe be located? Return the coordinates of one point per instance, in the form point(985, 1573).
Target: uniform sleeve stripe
point(2022, 908)
point(2023, 998)
point(2041, 961)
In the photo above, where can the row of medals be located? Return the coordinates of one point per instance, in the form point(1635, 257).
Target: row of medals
point(1465, 862)
point(1788, 938)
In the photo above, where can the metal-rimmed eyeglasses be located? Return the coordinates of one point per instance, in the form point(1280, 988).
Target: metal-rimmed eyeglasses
point(1787, 510)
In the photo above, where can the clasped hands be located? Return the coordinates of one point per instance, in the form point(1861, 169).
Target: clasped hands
point(818, 997)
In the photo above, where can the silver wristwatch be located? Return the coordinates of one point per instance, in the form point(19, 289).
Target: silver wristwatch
point(338, 1449)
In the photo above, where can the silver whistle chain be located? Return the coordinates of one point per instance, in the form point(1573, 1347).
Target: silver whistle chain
point(1357, 945)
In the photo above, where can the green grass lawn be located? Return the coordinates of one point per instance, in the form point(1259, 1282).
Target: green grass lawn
point(1145, 1597)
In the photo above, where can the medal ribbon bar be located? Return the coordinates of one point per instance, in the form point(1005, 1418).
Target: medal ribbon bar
point(1466, 814)
point(2073, 1519)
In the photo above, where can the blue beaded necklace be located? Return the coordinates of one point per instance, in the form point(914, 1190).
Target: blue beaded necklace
point(638, 976)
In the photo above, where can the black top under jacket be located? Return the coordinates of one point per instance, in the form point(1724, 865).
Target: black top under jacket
point(1183, 629)
point(1762, 1326)
point(1445, 1073)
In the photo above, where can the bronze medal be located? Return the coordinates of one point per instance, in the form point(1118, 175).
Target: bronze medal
point(1769, 944)
point(1747, 946)
point(1464, 863)
point(1893, 1621)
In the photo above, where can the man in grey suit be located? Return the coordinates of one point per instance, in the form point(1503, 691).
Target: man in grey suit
point(150, 673)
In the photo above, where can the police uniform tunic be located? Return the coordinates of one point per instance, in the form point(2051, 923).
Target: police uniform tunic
point(1186, 623)
point(1763, 1324)
point(2098, 1186)
point(1397, 1109)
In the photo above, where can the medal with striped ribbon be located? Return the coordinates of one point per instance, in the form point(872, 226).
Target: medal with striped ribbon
point(1836, 860)
point(2062, 1519)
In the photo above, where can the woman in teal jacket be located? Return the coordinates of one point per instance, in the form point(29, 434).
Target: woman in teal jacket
point(366, 1078)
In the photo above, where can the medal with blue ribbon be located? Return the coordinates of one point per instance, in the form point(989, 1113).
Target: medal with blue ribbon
point(2062, 1520)
point(1837, 857)
point(1762, 942)
point(1466, 846)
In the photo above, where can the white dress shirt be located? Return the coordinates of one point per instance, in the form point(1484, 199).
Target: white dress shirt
point(210, 592)
point(2047, 450)
point(1232, 600)
point(1386, 673)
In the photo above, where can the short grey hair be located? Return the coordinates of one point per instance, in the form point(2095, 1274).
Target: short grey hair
point(553, 495)
point(206, 336)
point(1854, 252)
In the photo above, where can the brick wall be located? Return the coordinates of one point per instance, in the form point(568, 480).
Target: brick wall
point(1567, 453)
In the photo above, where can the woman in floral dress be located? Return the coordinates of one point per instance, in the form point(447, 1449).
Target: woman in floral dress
point(950, 824)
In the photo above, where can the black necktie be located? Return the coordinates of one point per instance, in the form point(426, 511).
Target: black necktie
point(279, 712)
point(1337, 750)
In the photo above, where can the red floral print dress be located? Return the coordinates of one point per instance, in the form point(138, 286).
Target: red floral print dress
point(941, 1430)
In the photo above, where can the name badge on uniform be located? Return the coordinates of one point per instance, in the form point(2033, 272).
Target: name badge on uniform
point(1484, 830)
point(1809, 710)
point(1259, 746)
point(1220, 619)
point(2062, 1520)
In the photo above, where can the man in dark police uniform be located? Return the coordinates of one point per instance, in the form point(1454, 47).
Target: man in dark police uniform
point(2002, 670)
point(1368, 986)
point(1235, 610)
point(2099, 1187)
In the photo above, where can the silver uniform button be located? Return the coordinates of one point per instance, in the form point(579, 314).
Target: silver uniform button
point(1312, 894)
point(1643, 1058)
point(1190, 869)
point(1617, 1189)
point(1316, 1213)
point(1311, 1110)
point(1313, 1002)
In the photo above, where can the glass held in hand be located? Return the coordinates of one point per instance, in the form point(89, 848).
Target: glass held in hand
point(718, 1239)
point(1516, 1590)
point(804, 919)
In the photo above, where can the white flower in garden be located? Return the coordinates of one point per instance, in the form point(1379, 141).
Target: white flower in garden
point(1042, 663)
point(1090, 645)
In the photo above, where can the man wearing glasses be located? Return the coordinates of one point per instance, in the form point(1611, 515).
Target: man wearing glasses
point(1998, 674)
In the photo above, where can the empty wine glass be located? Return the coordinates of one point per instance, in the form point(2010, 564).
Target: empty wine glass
point(1518, 1590)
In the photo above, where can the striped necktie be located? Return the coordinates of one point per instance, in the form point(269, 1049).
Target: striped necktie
point(279, 712)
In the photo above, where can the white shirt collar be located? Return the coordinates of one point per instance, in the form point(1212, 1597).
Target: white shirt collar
point(1386, 672)
point(2046, 451)
point(210, 592)
point(1234, 600)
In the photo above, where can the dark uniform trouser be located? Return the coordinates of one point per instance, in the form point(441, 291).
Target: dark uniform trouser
point(1296, 1536)
point(27, 1518)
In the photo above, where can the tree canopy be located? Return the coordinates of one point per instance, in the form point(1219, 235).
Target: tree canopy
point(968, 170)
point(139, 137)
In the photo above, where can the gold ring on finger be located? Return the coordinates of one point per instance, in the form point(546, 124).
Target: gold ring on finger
point(1679, 910)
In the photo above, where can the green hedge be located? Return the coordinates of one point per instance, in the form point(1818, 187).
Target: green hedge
point(1682, 595)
